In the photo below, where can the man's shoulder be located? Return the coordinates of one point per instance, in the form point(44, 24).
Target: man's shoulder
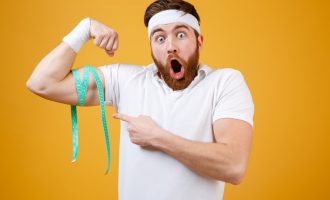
point(222, 72)
point(124, 68)
point(131, 66)
point(128, 72)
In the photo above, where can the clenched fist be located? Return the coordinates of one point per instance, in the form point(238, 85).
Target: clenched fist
point(104, 37)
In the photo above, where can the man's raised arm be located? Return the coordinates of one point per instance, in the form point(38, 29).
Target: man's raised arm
point(52, 78)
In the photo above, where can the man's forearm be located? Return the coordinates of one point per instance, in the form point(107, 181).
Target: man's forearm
point(212, 160)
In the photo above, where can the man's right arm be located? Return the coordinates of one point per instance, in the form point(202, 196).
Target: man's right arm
point(52, 78)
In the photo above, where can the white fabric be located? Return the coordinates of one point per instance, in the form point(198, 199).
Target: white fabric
point(171, 16)
point(79, 35)
point(189, 113)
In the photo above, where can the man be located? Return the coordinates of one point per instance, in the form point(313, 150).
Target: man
point(185, 128)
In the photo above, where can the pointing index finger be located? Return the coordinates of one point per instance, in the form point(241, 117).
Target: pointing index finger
point(123, 117)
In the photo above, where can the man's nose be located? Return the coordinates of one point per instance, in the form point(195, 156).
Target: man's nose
point(172, 47)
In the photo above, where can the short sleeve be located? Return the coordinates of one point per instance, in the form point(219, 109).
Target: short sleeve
point(116, 76)
point(233, 98)
point(111, 88)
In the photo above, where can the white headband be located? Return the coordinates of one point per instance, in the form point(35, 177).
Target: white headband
point(171, 16)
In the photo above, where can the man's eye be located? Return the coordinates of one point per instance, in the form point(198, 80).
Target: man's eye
point(160, 39)
point(181, 35)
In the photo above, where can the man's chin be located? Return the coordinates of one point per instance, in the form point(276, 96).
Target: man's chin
point(177, 84)
point(177, 81)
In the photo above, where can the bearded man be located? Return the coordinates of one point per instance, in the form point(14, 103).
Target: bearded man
point(186, 128)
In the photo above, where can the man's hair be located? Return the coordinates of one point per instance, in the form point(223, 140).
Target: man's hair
point(161, 5)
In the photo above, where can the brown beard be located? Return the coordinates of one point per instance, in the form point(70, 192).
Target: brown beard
point(191, 70)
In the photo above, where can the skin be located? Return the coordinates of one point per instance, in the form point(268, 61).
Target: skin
point(225, 159)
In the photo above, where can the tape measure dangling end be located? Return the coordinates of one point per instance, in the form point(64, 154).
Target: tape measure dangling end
point(82, 87)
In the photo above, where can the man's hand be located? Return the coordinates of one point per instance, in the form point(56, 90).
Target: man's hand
point(104, 37)
point(142, 129)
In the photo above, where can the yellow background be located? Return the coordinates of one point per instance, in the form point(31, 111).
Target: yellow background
point(281, 47)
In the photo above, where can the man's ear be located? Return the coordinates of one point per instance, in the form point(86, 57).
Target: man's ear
point(200, 42)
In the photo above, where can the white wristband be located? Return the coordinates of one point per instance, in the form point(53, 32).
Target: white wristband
point(79, 35)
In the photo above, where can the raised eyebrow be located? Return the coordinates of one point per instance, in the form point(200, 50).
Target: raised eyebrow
point(181, 26)
point(156, 30)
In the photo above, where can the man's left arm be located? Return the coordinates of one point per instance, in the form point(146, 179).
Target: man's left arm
point(225, 159)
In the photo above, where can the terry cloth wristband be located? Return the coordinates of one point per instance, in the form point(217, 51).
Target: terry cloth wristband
point(79, 35)
point(82, 87)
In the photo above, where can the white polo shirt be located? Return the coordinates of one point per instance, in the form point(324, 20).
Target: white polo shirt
point(135, 90)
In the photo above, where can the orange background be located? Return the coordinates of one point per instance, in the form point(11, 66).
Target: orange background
point(281, 47)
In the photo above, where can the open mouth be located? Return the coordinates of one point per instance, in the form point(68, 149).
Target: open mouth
point(176, 66)
point(177, 70)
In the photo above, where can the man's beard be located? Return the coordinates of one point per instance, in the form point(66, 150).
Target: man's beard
point(190, 70)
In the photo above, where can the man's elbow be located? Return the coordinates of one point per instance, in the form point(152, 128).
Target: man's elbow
point(35, 86)
point(236, 179)
point(236, 175)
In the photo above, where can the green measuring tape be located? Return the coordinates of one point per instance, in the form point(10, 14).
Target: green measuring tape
point(82, 87)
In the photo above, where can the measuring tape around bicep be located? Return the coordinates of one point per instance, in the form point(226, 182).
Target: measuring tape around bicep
point(82, 87)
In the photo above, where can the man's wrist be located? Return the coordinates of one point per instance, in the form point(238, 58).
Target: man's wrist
point(159, 141)
point(79, 35)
